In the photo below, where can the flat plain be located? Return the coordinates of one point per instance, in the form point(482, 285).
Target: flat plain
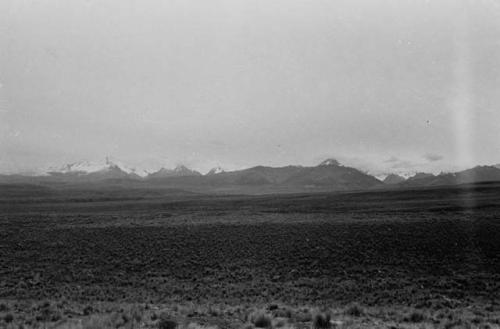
point(388, 258)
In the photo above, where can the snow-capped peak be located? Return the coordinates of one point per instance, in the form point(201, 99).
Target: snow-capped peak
point(83, 167)
point(181, 168)
point(216, 170)
point(330, 162)
point(87, 167)
point(178, 171)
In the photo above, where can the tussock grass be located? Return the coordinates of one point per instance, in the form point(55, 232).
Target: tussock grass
point(354, 310)
point(213, 316)
point(261, 320)
point(416, 317)
point(8, 318)
point(321, 321)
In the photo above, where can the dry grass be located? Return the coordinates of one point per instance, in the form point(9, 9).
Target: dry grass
point(26, 315)
point(408, 261)
point(261, 320)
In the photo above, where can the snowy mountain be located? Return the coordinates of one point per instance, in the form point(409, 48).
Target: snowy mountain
point(179, 171)
point(104, 168)
point(329, 175)
point(330, 162)
point(81, 167)
point(216, 170)
point(392, 179)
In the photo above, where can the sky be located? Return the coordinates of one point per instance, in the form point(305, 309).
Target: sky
point(382, 85)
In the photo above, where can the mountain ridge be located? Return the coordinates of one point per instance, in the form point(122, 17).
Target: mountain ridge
point(393, 179)
point(329, 175)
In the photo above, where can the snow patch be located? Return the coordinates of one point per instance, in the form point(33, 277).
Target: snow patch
point(87, 167)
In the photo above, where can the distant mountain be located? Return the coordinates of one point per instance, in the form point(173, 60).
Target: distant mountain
point(85, 171)
point(81, 167)
point(109, 172)
point(474, 175)
point(329, 162)
point(328, 175)
point(331, 174)
point(96, 170)
point(420, 175)
point(265, 175)
point(393, 179)
point(255, 176)
point(478, 174)
point(179, 171)
point(215, 171)
point(112, 171)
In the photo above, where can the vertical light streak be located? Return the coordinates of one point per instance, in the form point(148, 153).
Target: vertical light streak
point(462, 97)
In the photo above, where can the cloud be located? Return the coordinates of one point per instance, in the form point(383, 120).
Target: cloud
point(433, 157)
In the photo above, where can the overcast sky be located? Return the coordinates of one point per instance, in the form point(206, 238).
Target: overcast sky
point(393, 85)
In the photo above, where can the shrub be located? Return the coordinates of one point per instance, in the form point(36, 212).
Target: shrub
point(272, 307)
point(8, 318)
point(167, 324)
point(282, 313)
point(88, 310)
point(354, 310)
point(321, 321)
point(213, 311)
point(262, 320)
point(194, 325)
point(416, 317)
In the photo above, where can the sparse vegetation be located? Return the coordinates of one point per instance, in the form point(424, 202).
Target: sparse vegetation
point(113, 316)
point(411, 259)
point(354, 310)
point(8, 318)
point(321, 321)
point(261, 320)
point(416, 317)
point(166, 323)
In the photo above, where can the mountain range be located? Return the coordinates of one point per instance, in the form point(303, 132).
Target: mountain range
point(393, 179)
point(329, 175)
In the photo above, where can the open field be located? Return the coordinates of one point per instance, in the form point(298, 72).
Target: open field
point(216, 259)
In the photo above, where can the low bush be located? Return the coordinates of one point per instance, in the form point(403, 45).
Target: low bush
point(321, 321)
point(354, 310)
point(8, 318)
point(261, 320)
point(165, 323)
point(416, 317)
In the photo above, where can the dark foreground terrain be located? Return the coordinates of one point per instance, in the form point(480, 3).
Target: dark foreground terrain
point(131, 258)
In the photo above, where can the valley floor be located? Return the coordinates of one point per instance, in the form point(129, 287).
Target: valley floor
point(402, 259)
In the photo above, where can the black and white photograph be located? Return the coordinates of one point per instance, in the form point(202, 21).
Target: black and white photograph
point(246, 164)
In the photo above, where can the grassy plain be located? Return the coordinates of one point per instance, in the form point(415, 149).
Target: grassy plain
point(87, 258)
